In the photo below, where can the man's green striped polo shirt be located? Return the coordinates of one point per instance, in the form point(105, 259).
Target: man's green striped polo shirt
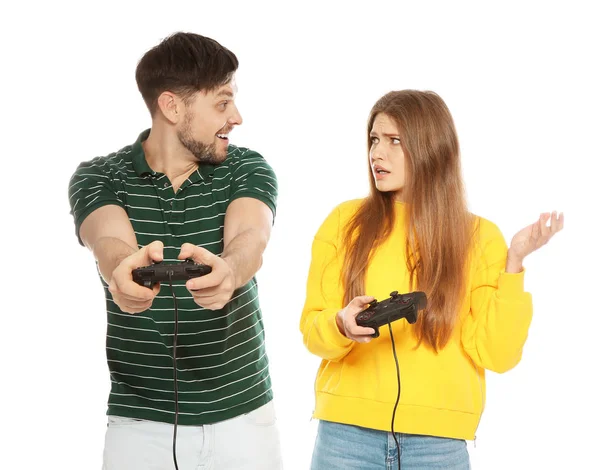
point(221, 359)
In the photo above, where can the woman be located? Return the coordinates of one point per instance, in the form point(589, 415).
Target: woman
point(412, 233)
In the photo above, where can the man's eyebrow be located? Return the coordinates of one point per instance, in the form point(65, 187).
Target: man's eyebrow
point(226, 93)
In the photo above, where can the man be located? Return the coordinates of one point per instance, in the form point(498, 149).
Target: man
point(182, 191)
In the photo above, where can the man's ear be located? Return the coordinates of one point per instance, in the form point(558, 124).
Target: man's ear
point(171, 106)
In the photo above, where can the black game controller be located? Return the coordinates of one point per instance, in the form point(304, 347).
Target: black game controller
point(159, 272)
point(394, 308)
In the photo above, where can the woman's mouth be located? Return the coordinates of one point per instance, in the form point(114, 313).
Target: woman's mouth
point(380, 172)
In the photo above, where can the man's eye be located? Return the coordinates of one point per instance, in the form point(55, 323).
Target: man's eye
point(374, 140)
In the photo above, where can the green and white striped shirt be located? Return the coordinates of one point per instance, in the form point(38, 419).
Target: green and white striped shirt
point(222, 364)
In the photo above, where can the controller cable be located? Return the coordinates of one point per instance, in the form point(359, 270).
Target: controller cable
point(398, 396)
point(175, 372)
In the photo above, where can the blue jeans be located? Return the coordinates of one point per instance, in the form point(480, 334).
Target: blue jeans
point(345, 447)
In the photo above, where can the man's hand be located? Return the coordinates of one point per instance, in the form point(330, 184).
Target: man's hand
point(214, 290)
point(346, 320)
point(128, 295)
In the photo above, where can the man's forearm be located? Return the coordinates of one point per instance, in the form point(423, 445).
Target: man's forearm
point(109, 252)
point(244, 255)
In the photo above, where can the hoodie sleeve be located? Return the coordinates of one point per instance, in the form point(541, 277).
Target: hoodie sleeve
point(495, 330)
point(324, 295)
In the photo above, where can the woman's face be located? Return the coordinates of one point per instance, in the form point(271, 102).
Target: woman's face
point(386, 156)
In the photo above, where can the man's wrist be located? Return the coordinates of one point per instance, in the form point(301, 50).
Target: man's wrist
point(110, 253)
point(232, 269)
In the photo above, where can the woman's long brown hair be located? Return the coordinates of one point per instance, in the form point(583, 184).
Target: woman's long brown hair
point(438, 224)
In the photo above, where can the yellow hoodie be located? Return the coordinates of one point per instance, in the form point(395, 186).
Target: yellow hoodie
point(442, 394)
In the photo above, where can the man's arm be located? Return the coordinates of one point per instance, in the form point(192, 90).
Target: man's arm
point(108, 233)
point(247, 231)
point(248, 223)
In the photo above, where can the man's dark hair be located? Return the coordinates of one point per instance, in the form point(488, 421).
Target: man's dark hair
point(183, 63)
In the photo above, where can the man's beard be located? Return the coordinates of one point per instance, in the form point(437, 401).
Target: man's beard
point(204, 153)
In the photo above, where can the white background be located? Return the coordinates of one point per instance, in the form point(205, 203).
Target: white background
point(522, 82)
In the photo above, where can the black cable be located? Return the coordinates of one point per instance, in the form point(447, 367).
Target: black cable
point(175, 374)
point(398, 396)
